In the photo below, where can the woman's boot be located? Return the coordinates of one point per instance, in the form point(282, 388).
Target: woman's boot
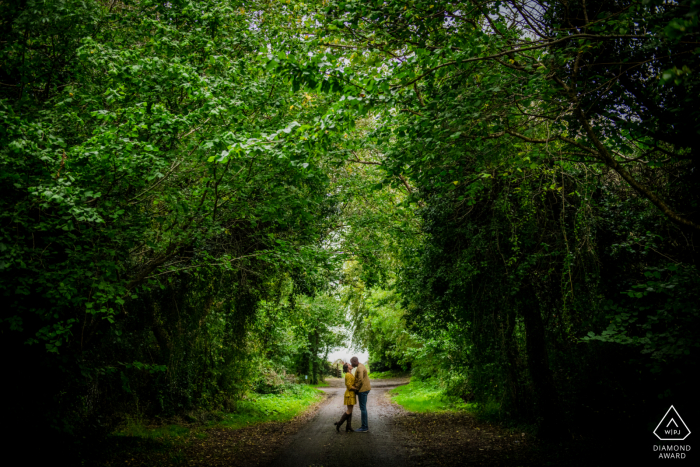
point(348, 426)
point(338, 424)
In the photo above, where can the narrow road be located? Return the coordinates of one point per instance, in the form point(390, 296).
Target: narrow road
point(317, 443)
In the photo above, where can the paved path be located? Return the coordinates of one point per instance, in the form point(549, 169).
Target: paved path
point(317, 443)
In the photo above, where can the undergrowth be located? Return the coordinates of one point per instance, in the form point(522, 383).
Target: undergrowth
point(149, 442)
point(387, 374)
point(259, 408)
point(254, 408)
point(427, 396)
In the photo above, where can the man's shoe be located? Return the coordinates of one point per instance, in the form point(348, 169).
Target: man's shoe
point(362, 430)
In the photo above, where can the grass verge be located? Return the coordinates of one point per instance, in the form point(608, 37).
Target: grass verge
point(246, 432)
point(260, 408)
point(427, 396)
point(163, 444)
point(254, 409)
point(388, 374)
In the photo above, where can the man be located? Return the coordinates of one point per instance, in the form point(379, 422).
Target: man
point(362, 388)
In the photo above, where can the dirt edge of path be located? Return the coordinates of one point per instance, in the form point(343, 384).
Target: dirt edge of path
point(459, 438)
point(255, 445)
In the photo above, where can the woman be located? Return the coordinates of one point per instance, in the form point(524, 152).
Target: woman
point(349, 399)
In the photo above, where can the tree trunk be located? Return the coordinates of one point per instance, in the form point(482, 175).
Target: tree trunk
point(324, 362)
point(314, 358)
point(161, 335)
point(304, 366)
point(552, 424)
point(311, 358)
point(511, 354)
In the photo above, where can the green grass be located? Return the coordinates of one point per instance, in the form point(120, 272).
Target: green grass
point(388, 374)
point(321, 384)
point(256, 408)
point(136, 439)
point(427, 396)
point(261, 408)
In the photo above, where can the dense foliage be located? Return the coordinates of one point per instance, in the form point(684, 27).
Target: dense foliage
point(502, 195)
point(550, 150)
point(158, 224)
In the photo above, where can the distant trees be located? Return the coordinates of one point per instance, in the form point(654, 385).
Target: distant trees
point(549, 149)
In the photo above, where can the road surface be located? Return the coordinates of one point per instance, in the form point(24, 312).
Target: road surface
point(318, 444)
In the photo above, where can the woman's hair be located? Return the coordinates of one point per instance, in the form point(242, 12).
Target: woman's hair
point(345, 367)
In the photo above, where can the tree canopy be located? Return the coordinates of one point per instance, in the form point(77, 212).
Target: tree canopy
point(198, 197)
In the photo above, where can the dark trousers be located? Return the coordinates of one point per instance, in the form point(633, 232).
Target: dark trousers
point(362, 396)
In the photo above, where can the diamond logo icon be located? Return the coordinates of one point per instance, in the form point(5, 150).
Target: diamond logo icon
point(672, 427)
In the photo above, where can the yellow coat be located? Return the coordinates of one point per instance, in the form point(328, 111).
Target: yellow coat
point(349, 395)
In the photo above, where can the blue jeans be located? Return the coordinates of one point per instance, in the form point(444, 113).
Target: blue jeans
point(362, 396)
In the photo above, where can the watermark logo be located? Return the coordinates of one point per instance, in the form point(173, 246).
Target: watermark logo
point(672, 427)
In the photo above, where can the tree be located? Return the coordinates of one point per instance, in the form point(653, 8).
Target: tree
point(156, 183)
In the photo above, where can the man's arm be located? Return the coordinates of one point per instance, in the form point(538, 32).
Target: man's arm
point(359, 379)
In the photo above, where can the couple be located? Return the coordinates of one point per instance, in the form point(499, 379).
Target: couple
point(357, 384)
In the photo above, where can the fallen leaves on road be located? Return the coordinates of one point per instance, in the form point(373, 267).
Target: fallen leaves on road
point(256, 445)
point(459, 439)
